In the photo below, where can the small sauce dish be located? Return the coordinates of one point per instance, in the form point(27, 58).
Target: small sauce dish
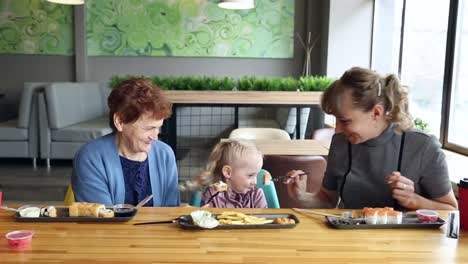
point(427, 215)
point(124, 210)
point(20, 238)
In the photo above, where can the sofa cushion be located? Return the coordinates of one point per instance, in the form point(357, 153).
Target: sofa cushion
point(73, 103)
point(9, 131)
point(27, 104)
point(84, 131)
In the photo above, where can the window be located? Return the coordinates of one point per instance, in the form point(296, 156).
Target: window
point(458, 124)
point(417, 40)
point(386, 36)
point(423, 58)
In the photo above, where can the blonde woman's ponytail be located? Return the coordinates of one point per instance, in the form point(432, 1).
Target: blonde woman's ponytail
point(368, 88)
point(397, 103)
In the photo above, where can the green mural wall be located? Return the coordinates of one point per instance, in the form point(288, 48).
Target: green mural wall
point(150, 28)
point(35, 27)
point(189, 28)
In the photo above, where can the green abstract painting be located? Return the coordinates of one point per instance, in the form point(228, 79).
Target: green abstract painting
point(189, 28)
point(35, 27)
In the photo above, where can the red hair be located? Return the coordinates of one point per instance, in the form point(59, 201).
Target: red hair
point(136, 97)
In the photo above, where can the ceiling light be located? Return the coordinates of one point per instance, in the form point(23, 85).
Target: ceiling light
point(68, 2)
point(237, 4)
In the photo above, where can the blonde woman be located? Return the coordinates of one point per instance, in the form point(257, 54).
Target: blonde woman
point(376, 158)
point(235, 163)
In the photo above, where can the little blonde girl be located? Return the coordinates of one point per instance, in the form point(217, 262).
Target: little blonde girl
point(236, 163)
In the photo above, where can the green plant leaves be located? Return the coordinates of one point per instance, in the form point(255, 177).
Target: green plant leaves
point(419, 123)
point(248, 83)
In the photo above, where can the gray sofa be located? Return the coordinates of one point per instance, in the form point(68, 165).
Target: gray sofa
point(71, 114)
point(19, 137)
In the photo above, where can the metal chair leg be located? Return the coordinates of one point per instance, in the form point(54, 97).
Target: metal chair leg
point(48, 163)
point(34, 160)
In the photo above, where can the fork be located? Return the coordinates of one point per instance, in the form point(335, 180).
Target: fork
point(211, 198)
point(284, 177)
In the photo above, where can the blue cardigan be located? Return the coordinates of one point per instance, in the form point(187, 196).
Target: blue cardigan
point(97, 173)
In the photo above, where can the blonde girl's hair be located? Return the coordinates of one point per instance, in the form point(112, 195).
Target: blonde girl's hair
point(230, 152)
point(368, 89)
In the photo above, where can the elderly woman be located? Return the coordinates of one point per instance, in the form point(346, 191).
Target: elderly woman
point(130, 163)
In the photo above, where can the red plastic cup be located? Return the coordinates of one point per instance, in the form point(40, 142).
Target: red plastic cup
point(427, 215)
point(20, 238)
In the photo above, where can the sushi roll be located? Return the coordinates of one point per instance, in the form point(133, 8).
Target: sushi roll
point(49, 211)
point(394, 217)
point(364, 211)
point(370, 215)
point(382, 216)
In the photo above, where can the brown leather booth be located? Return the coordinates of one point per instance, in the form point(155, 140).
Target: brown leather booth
point(279, 165)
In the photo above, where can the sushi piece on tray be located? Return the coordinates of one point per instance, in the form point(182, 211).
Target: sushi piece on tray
point(383, 218)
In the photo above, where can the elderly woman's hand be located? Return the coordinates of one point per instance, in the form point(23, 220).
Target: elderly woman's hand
point(402, 190)
point(297, 182)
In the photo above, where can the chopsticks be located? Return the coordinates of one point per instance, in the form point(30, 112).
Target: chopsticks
point(157, 222)
point(144, 201)
point(317, 213)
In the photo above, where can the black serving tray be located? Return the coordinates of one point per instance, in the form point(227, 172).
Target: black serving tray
point(187, 223)
point(63, 216)
point(409, 220)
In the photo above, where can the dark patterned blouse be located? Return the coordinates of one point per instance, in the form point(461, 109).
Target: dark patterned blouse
point(137, 181)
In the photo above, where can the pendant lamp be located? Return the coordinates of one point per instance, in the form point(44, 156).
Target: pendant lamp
point(68, 2)
point(237, 4)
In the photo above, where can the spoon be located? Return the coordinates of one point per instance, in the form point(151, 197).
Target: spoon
point(144, 201)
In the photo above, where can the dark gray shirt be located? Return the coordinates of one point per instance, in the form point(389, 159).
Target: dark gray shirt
point(372, 161)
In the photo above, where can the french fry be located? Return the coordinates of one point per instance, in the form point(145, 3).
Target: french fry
point(236, 218)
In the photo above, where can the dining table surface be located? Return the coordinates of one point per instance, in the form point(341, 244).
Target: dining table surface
point(308, 147)
point(312, 240)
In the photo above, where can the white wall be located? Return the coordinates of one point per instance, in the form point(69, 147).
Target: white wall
point(349, 35)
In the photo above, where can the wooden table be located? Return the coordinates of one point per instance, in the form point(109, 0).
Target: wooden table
point(244, 97)
point(237, 99)
point(309, 147)
point(312, 241)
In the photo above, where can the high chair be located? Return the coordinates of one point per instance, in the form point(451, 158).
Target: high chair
point(268, 190)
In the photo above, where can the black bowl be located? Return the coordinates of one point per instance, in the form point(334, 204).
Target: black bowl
point(124, 210)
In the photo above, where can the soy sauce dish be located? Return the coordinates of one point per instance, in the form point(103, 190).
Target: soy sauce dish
point(124, 210)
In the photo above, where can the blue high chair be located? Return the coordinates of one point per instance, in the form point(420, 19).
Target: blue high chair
point(269, 190)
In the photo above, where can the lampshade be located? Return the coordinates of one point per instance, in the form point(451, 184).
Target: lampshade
point(68, 2)
point(237, 4)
